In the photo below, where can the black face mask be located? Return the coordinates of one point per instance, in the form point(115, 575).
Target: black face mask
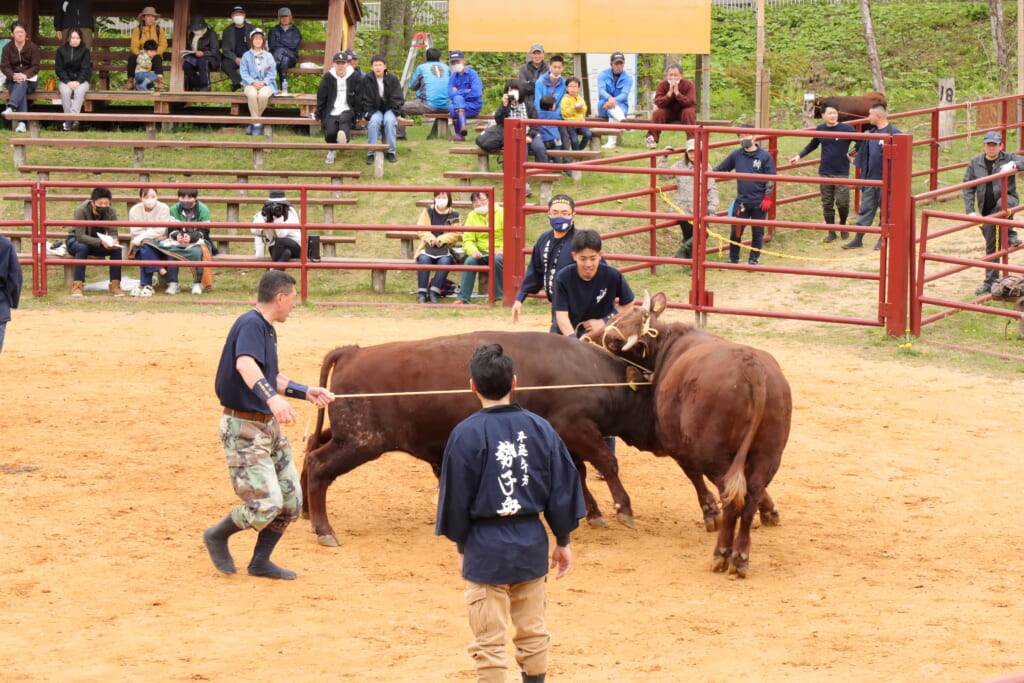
point(186, 206)
point(746, 143)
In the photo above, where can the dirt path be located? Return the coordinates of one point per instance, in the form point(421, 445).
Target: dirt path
point(898, 558)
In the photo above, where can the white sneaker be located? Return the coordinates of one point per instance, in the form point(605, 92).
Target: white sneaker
point(21, 127)
point(331, 156)
point(7, 111)
point(173, 288)
point(610, 143)
point(651, 142)
point(342, 137)
point(197, 288)
point(145, 291)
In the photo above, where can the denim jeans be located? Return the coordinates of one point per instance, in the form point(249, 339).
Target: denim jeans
point(386, 119)
point(423, 276)
point(81, 250)
point(469, 277)
point(148, 253)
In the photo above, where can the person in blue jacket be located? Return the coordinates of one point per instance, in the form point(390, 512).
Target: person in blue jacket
point(465, 92)
point(283, 42)
point(613, 86)
point(869, 160)
point(503, 468)
point(753, 197)
point(10, 284)
point(430, 83)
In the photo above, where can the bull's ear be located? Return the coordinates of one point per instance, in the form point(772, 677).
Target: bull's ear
point(659, 303)
point(646, 305)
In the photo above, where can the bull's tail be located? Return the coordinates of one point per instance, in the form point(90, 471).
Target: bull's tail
point(735, 482)
point(326, 369)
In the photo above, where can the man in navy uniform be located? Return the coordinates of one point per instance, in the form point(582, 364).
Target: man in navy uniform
point(585, 293)
point(504, 466)
point(551, 253)
point(753, 197)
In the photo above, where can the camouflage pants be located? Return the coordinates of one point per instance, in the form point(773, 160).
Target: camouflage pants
point(259, 460)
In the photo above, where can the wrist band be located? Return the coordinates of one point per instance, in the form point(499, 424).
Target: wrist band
point(296, 390)
point(263, 389)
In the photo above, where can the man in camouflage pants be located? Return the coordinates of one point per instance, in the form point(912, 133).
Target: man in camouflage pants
point(258, 455)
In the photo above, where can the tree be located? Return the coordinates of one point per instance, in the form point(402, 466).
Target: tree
point(395, 32)
point(996, 23)
point(872, 46)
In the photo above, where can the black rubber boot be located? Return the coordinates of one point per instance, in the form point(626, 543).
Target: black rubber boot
point(216, 540)
point(536, 678)
point(260, 565)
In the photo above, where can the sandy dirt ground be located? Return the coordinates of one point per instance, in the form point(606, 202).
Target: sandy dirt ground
point(898, 558)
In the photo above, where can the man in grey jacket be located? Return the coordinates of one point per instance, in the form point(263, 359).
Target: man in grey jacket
point(987, 198)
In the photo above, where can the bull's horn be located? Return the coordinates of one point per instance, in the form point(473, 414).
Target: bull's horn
point(630, 342)
point(647, 301)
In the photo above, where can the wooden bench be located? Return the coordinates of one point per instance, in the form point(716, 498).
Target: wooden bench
point(440, 128)
point(258, 147)
point(484, 165)
point(109, 56)
point(546, 180)
point(233, 103)
point(165, 121)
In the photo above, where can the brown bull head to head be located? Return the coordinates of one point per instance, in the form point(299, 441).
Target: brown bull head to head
point(631, 332)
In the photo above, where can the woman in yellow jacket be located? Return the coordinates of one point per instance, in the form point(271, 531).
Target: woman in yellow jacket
point(147, 29)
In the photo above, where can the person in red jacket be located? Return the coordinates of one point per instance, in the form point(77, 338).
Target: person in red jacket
point(675, 101)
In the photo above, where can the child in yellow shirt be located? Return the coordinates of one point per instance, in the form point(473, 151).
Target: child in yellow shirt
point(574, 108)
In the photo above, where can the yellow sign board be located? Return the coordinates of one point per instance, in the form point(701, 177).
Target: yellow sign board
point(649, 26)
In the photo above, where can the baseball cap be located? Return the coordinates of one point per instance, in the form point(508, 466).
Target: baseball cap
point(284, 12)
point(993, 137)
point(237, 8)
point(255, 31)
point(618, 57)
point(691, 144)
point(456, 54)
point(340, 56)
point(352, 54)
point(536, 47)
point(278, 197)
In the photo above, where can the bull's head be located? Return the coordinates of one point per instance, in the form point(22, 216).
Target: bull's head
point(632, 332)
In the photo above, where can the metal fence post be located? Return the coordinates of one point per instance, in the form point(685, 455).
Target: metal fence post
point(898, 225)
point(515, 214)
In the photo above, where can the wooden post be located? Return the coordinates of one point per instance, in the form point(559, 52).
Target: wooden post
point(947, 119)
point(178, 40)
point(764, 97)
point(807, 117)
point(705, 84)
point(759, 86)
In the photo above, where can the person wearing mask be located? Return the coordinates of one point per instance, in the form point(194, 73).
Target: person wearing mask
point(151, 218)
point(436, 245)
point(465, 93)
point(234, 42)
point(337, 100)
point(74, 69)
point(147, 29)
point(380, 95)
point(190, 243)
point(753, 197)
point(284, 43)
point(477, 247)
point(19, 62)
point(201, 57)
point(514, 106)
point(259, 76)
point(84, 241)
point(551, 253)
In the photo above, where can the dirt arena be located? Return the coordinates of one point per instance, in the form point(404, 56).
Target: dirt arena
point(898, 558)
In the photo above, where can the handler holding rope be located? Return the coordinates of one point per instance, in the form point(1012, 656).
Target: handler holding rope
point(258, 454)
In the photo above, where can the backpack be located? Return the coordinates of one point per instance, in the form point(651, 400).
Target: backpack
point(492, 139)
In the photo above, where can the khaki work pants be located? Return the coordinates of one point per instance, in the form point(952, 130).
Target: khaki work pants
point(490, 607)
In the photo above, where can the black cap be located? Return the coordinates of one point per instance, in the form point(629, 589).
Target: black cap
point(340, 56)
point(237, 8)
point(618, 57)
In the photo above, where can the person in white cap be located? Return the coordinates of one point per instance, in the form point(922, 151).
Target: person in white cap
point(282, 242)
point(683, 199)
point(258, 73)
point(234, 42)
point(987, 199)
point(337, 100)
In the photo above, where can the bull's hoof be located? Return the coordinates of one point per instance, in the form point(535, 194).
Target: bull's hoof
point(597, 522)
point(720, 560)
point(626, 519)
point(328, 540)
point(738, 565)
point(304, 514)
point(711, 522)
point(771, 518)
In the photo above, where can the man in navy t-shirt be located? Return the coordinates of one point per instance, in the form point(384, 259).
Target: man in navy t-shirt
point(503, 467)
point(258, 455)
point(585, 293)
point(870, 160)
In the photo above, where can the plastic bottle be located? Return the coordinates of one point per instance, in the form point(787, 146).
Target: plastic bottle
point(284, 86)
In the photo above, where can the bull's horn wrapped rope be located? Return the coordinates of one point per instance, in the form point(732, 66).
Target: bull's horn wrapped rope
point(631, 385)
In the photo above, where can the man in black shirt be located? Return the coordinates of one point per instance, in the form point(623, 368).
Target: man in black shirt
point(234, 43)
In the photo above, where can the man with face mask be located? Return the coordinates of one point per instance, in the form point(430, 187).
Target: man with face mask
point(191, 243)
point(234, 42)
point(835, 163)
point(337, 99)
point(753, 197)
point(465, 91)
point(551, 253)
point(201, 57)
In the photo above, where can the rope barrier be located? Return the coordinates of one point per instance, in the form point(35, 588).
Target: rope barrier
point(631, 385)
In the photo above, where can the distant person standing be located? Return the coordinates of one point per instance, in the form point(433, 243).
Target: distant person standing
point(503, 468)
point(986, 199)
point(613, 87)
point(10, 284)
point(284, 44)
point(835, 163)
point(258, 454)
point(234, 42)
point(74, 14)
point(753, 197)
point(870, 160)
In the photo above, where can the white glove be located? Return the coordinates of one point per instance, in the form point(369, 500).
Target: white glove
point(1008, 166)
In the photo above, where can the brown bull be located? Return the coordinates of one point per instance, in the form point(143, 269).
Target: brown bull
point(849, 107)
point(362, 429)
point(723, 410)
